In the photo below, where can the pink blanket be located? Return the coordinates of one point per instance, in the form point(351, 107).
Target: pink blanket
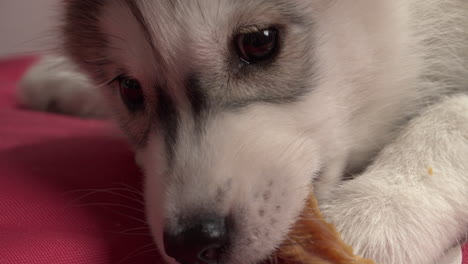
point(69, 189)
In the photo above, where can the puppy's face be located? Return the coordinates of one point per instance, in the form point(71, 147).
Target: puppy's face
point(232, 106)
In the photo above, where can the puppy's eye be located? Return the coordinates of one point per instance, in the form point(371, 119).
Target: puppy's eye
point(131, 93)
point(257, 46)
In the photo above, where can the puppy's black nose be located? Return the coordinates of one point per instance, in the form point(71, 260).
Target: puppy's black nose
point(199, 241)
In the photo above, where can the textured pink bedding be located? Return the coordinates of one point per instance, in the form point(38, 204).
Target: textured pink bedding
point(69, 189)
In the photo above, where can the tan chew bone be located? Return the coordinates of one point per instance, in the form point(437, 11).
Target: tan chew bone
point(314, 241)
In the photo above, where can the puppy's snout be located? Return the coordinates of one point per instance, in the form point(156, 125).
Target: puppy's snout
point(199, 241)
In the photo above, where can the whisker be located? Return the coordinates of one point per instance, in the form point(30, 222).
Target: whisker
point(136, 229)
point(135, 253)
point(147, 251)
point(133, 189)
point(110, 204)
point(135, 234)
point(138, 220)
point(108, 191)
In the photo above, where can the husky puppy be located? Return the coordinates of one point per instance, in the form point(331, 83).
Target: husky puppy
point(238, 109)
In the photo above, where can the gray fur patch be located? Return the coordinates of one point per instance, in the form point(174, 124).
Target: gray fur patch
point(168, 121)
point(200, 51)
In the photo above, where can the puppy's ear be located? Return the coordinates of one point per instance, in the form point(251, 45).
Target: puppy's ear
point(82, 39)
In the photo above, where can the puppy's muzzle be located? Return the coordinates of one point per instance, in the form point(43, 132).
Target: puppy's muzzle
point(198, 240)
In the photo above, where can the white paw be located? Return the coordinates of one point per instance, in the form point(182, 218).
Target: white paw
point(387, 224)
point(54, 84)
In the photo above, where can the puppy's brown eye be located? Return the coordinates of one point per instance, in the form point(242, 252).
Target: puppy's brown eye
point(131, 93)
point(257, 46)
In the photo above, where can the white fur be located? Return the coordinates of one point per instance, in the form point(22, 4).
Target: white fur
point(56, 84)
point(379, 62)
point(411, 204)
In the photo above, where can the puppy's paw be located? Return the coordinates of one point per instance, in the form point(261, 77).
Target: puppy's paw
point(54, 84)
point(386, 223)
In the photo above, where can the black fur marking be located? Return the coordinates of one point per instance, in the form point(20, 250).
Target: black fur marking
point(198, 99)
point(168, 118)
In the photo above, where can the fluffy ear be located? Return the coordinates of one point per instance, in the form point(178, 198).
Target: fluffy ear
point(82, 39)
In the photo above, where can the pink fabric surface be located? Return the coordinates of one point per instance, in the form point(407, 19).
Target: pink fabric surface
point(51, 168)
point(465, 254)
point(69, 189)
